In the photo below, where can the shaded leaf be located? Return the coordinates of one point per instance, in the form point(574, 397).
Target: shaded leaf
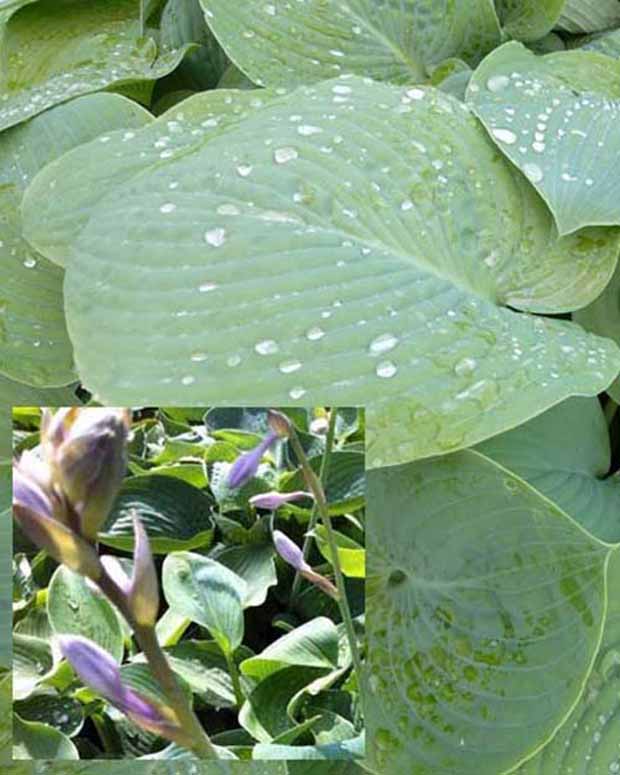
point(485, 612)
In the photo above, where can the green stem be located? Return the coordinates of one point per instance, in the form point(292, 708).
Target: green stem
point(147, 639)
point(234, 674)
point(142, 20)
point(314, 483)
point(314, 517)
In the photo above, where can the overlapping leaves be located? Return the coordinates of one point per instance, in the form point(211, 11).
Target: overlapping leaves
point(326, 261)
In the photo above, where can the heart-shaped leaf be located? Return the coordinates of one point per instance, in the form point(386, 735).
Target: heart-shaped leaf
point(603, 318)
point(284, 44)
point(208, 593)
point(74, 608)
point(313, 644)
point(34, 740)
point(34, 345)
point(554, 117)
point(56, 51)
point(573, 475)
point(485, 611)
point(588, 741)
point(529, 19)
point(175, 514)
point(328, 261)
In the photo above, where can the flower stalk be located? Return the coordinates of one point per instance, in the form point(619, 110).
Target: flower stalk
point(315, 485)
point(314, 516)
point(61, 499)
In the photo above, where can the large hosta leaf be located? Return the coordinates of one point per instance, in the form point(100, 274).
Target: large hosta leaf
point(58, 49)
point(603, 317)
point(529, 19)
point(588, 742)
point(34, 345)
point(565, 454)
point(485, 613)
point(589, 15)
point(284, 44)
point(354, 256)
point(555, 117)
point(608, 44)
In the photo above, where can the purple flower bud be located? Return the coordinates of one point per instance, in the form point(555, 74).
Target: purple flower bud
point(94, 665)
point(39, 511)
point(289, 551)
point(99, 670)
point(86, 451)
point(293, 555)
point(273, 500)
point(143, 591)
point(245, 466)
point(279, 423)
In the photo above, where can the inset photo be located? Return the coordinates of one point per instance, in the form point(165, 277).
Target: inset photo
point(188, 583)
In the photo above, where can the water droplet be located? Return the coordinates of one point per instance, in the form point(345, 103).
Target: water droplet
point(198, 357)
point(207, 287)
point(215, 237)
point(406, 205)
point(505, 136)
point(341, 89)
point(188, 380)
point(284, 155)
point(266, 347)
point(383, 344)
point(233, 360)
point(465, 366)
point(415, 94)
point(296, 393)
point(228, 210)
point(167, 208)
point(288, 367)
point(244, 170)
point(533, 172)
point(307, 131)
point(30, 262)
point(386, 369)
point(498, 83)
point(315, 333)
point(270, 9)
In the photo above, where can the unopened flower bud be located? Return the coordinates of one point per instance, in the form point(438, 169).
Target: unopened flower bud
point(143, 592)
point(39, 510)
point(279, 423)
point(99, 670)
point(86, 449)
point(293, 555)
point(246, 465)
point(273, 500)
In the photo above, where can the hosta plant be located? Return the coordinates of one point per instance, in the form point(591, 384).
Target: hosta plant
point(188, 584)
point(411, 205)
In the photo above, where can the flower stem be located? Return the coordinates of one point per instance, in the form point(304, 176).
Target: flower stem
point(234, 674)
point(147, 639)
point(611, 409)
point(314, 517)
point(314, 483)
point(142, 20)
